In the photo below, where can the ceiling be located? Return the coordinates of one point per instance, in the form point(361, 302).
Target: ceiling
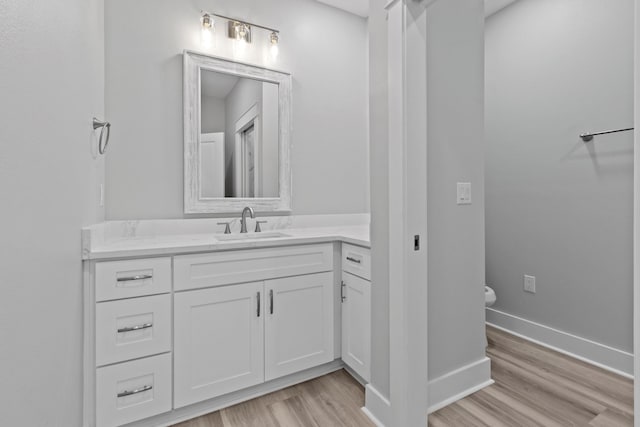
point(361, 7)
point(357, 7)
point(217, 85)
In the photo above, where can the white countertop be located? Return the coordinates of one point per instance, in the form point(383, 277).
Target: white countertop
point(100, 241)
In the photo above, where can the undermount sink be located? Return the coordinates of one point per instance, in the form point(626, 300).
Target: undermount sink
point(250, 236)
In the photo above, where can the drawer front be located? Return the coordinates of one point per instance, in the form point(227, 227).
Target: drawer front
point(226, 268)
point(132, 391)
point(132, 328)
point(134, 278)
point(356, 260)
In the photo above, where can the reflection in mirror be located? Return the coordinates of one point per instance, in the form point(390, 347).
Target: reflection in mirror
point(238, 137)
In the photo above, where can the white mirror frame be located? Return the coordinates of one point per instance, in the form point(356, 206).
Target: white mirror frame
point(194, 62)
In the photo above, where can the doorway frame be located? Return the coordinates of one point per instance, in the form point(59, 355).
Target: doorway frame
point(407, 113)
point(250, 118)
point(636, 221)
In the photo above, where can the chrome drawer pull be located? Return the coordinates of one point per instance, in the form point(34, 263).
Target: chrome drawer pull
point(357, 261)
point(134, 278)
point(258, 298)
point(130, 393)
point(135, 328)
point(271, 301)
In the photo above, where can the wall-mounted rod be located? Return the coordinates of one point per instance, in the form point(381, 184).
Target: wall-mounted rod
point(586, 137)
point(241, 21)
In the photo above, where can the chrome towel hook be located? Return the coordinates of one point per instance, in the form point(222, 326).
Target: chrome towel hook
point(104, 137)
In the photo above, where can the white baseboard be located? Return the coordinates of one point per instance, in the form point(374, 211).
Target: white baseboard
point(202, 408)
point(603, 356)
point(355, 375)
point(458, 384)
point(377, 407)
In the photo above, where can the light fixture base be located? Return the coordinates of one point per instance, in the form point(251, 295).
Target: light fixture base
point(239, 31)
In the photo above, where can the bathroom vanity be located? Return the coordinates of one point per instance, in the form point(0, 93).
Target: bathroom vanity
point(179, 325)
point(181, 321)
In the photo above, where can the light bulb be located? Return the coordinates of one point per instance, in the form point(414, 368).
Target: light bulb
point(206, 30)
point(274, 50)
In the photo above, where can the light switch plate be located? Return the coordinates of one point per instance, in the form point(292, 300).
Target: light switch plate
point(464, 193)
point(530, 284)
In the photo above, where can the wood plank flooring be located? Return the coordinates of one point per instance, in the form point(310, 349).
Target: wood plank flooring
point(539, 387)
point(534, 387)
point(333, 400)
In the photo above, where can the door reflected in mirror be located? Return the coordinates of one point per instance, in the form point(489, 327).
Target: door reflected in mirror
point(239, 137)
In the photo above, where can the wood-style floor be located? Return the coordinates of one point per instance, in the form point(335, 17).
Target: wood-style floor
point(539, 387)
point(534, 387)
point(333, 400)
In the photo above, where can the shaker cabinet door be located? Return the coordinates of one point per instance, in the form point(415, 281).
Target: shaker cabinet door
point(219, 341)
point(298, 323)
point(356, 324)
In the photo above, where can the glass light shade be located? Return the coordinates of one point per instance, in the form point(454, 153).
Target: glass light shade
point(274, 49)
point(206, 30)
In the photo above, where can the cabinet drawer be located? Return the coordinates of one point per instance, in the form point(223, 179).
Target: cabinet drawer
point(226, 268)
point(132, 391)
point(356, 260)
point(132, 328)
point(134, 278)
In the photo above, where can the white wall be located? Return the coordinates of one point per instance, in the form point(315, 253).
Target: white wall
point(455, 92)
point(557, 208)
point(52, 84)
point(269, 141)
point(324, 49)
point(213, 114)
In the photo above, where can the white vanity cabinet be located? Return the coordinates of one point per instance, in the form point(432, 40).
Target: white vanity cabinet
point(233, 334)
point(164, 333)
point(356, 309)
point(130, 328)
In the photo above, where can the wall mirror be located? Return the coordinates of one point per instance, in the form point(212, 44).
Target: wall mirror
point(237, 120)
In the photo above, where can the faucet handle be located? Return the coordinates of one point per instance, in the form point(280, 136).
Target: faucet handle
point(258, 229)
point(227, 229)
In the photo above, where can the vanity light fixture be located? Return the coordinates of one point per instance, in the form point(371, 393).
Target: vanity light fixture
point(237, 30)
point(207, 29)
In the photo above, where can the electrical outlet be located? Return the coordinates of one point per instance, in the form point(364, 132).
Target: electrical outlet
point(530, 284)
point(464, 193)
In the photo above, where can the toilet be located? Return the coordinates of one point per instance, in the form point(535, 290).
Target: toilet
point(489, 296)
point(489, 300)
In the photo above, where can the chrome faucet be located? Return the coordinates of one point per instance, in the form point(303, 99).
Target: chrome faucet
point(243, 221)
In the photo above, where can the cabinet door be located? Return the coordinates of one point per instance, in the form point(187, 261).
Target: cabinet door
point(356, 324)
point(218, 341)
point(298, 323)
